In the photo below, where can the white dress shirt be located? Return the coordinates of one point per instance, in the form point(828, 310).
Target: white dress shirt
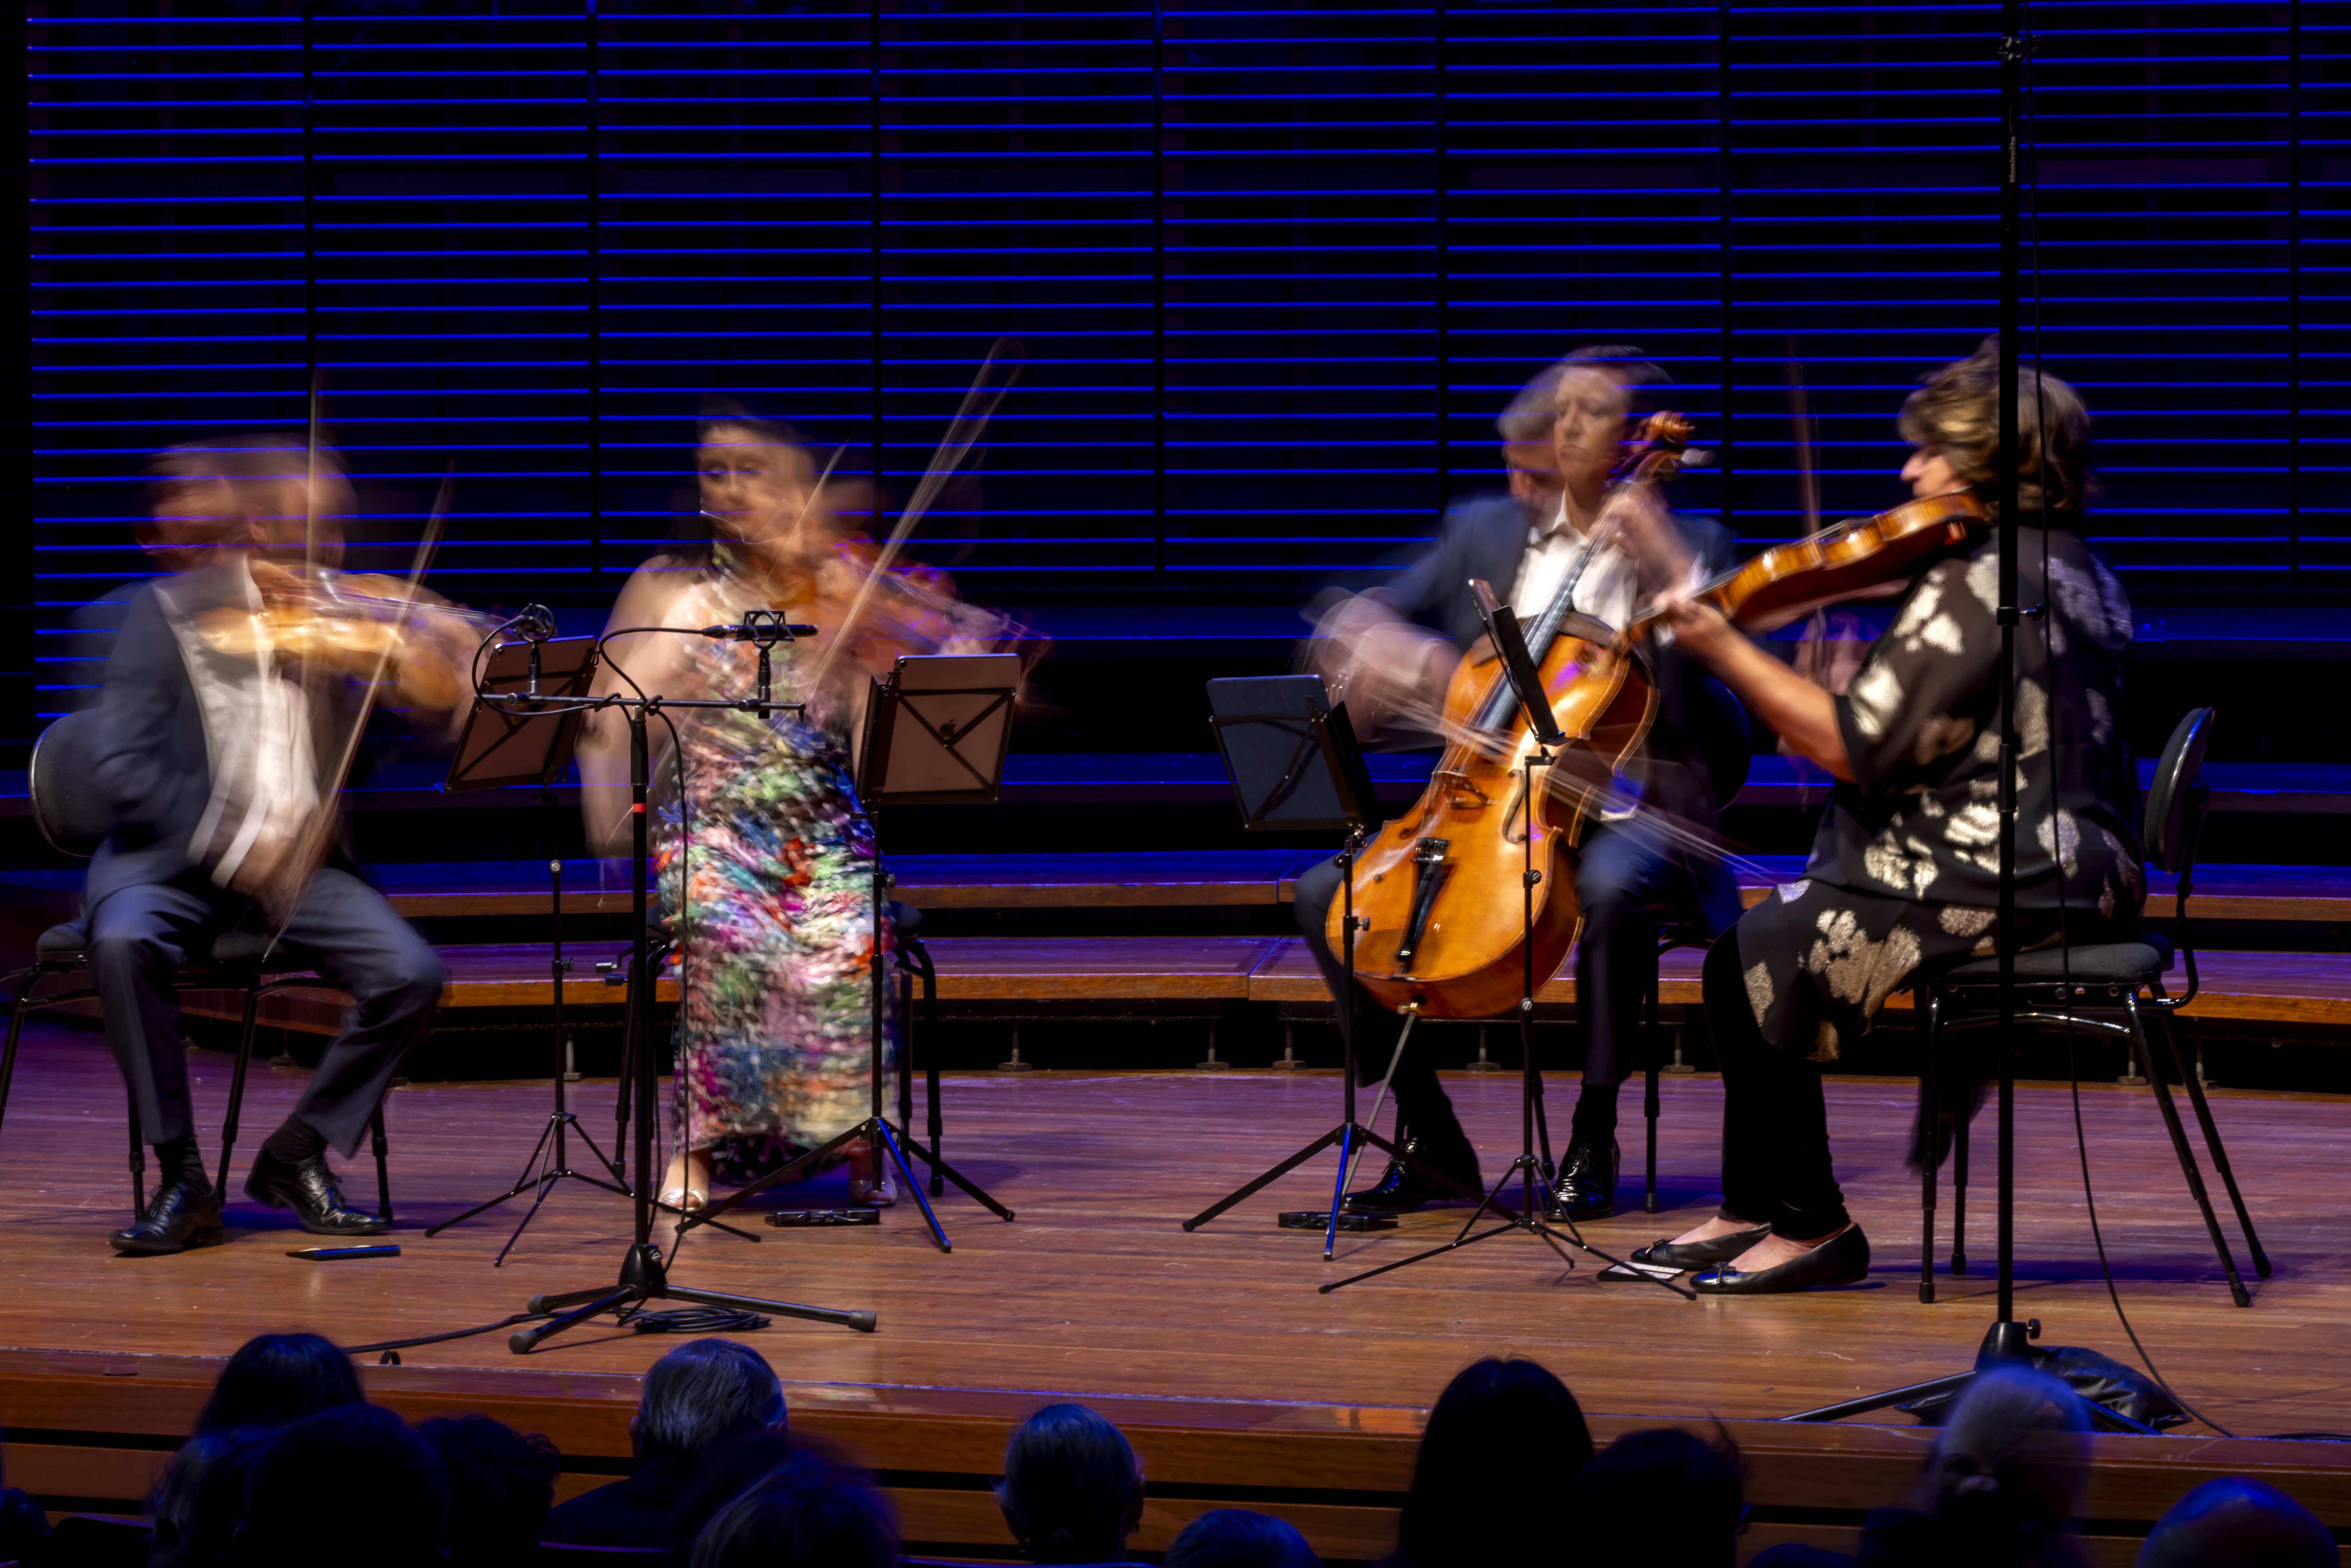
point(1606, 590)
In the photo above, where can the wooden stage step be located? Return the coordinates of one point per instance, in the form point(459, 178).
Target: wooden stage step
point(2287, 987)
point(1178, 879)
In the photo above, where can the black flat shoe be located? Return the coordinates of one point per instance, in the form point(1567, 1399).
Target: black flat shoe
point(1586, 1185)
point(1401, 1188)
point(309, 1189)
point(1687, 1255)
point(181, 1214)
point(1840, 1260)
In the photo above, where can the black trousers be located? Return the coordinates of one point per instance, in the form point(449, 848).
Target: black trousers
point(1775, 1128)
point(139, 935)
point(1621, 871)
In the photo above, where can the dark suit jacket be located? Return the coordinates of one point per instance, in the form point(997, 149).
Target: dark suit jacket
point(1698, 748)
point(150, 763)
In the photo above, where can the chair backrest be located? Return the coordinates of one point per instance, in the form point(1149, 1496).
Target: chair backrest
point(551, 1551)
point(66, 806)
point(2171, 799)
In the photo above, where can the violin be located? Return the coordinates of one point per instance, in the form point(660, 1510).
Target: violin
point(361, 625)
point(1436, 893)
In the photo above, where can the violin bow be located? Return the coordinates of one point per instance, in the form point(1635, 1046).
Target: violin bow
point(963, 433)
point(427, 544)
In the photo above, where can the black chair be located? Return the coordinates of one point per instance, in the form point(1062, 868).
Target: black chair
point(66, 810)
point(915, 959)
point(2058, 985)
point(99, 1540)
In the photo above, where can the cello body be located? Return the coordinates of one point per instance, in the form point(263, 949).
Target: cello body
point(1453, 948)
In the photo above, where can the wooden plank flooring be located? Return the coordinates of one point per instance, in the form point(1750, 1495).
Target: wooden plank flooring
point(1095, 1290)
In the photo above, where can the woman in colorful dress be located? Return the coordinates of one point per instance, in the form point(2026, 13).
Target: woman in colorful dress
point(765, 861)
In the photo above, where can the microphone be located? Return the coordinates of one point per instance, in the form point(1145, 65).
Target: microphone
point(754, 629)
point(537, 622)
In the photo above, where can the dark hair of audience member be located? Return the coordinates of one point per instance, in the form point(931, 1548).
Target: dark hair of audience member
point(274, 1378)
point(2006, 1479)
point(351, 1486)
point(807, 1513)
point(1237, 1537)
point(2234, 1522)
point(702, 1394)
point(1662, 1498)
point(500, 1481)
point(200, 1497)
point(1505, 1439)
point(1072, 1489)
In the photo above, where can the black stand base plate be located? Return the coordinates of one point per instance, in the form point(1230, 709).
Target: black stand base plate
point(644, 1278)
point(2003, 1344)
point(1320, 1219)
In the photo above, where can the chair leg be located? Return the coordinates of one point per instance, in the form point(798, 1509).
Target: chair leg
point(16, 1011)
point(382, 1164)
point(906, 1051)
point(236, 1083)
point(1960, 1117)
point(1929, 1076)
point(2187, 1166)
point(931, 1064)
point(2203, 1108)
point(1649, 1093)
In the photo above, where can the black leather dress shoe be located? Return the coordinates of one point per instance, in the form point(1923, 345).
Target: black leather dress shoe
point(1402, 1189)
point(1586, 1186)
point(181, 1214)
point(1686, 1255)
point(309, 1189)
point(1840, 1260)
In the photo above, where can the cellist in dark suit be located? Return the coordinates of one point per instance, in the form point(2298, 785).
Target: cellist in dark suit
point(1389, 653)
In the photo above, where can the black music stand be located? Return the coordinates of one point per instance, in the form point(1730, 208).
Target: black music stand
point(935, 734)
point(1294, 765)
point(1528, 1168)
point(644, 1272)
point(530, 745)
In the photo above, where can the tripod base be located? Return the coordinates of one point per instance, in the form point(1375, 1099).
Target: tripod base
point(2003, 1346)
point(644, 1278)
point(880, 1136)
point(547, 1164)
point(1348, 1137)
point(1529, 1169)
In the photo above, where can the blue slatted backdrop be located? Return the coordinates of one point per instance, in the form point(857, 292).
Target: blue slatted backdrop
point(1269, 270)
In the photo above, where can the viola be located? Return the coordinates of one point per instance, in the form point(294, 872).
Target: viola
point(1437, 893)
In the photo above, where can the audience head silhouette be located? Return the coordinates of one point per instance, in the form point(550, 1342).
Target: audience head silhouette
point(501, 1484)
point(298, 1498)
point(705, 1392)
point(279, 1377)
point(1072, 1488)
point(1505, 1439)
point(1662, 1498)
point(1236, 1538)
point(805, 1513)
point(199, 1497)
point(2237, 1523)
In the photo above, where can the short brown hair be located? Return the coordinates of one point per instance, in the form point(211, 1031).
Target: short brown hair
point(1956, 411)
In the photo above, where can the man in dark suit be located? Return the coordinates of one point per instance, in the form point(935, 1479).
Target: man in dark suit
point(1389, 653)
point(209, 761)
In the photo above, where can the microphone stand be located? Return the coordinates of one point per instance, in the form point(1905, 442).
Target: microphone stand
point(643, 1273)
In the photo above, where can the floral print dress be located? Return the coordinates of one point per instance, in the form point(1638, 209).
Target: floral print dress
point(1905, 867)
point(766, 882)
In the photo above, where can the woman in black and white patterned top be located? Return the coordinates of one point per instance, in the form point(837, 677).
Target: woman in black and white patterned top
point(1904, 872)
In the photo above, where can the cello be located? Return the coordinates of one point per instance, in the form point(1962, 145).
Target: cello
point(1441, 928)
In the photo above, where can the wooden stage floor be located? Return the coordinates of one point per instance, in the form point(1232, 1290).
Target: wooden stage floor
point(1096, 1292)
